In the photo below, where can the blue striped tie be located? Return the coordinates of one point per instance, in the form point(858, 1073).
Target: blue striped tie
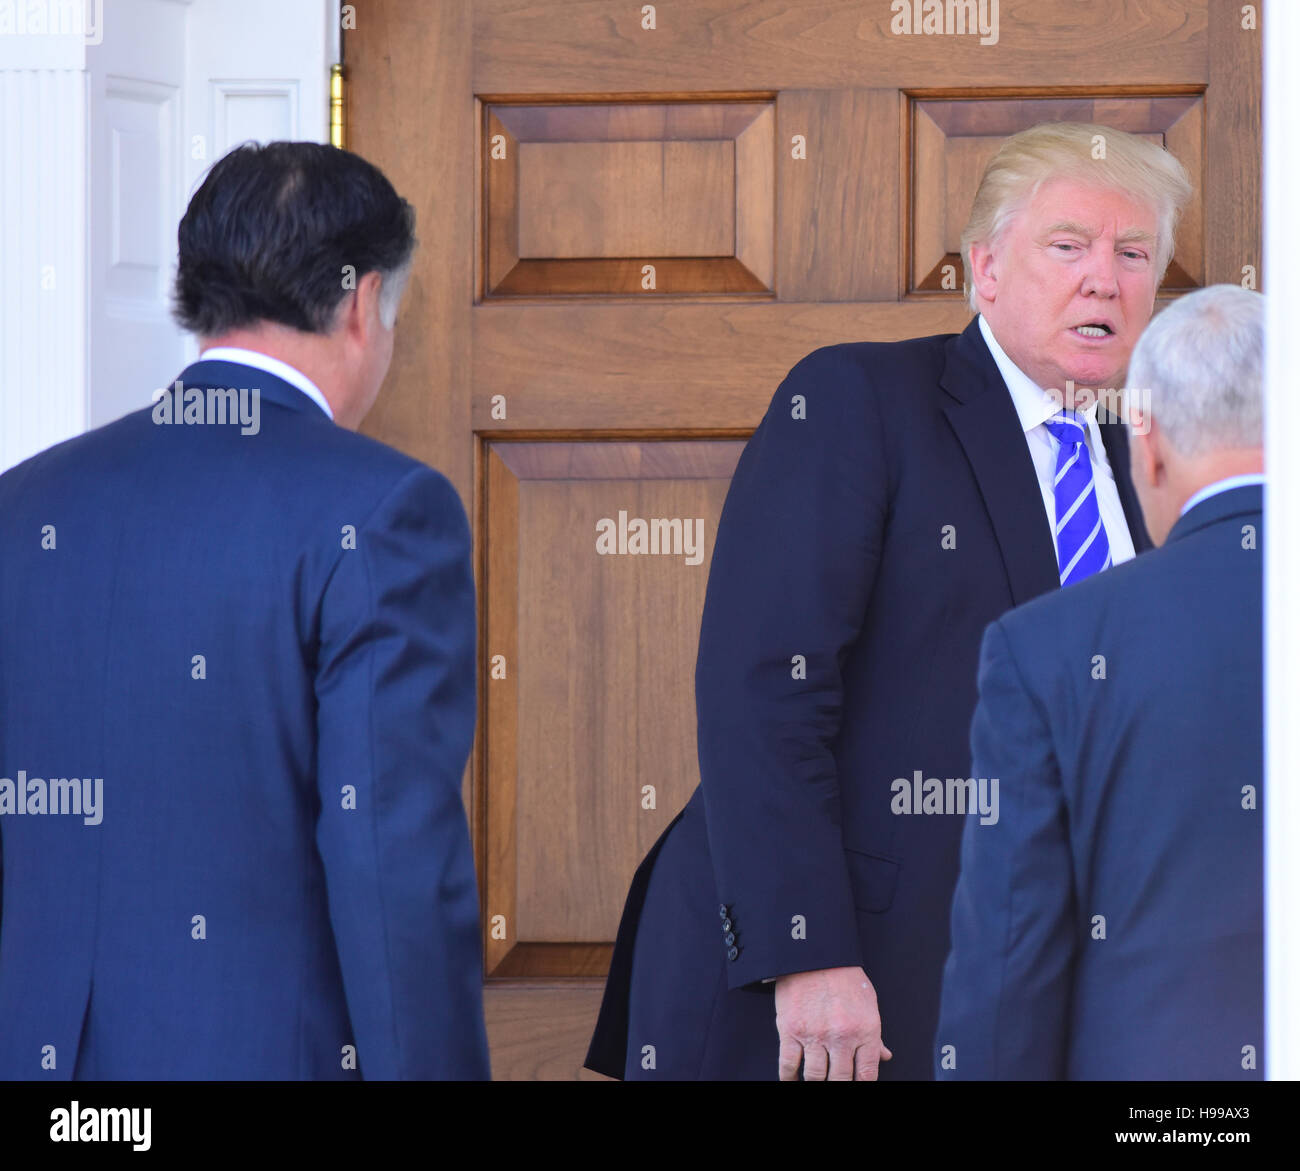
point(1081, 545)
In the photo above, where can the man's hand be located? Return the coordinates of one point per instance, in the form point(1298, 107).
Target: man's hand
point(829, 1019)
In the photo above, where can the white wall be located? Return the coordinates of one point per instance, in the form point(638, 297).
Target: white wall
point(104, 134)
point(1281, 29)
point(137, 116)
point(42, 241)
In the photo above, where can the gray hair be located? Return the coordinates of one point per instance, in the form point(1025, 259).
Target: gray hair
point(1099, 156)
point(391, 287)
point(1201, 363)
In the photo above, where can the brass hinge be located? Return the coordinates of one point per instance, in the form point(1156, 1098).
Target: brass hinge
point(337, 130)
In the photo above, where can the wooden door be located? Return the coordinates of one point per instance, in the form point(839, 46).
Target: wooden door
point(634, 219)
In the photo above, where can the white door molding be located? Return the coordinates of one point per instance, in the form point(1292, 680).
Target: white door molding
point(105, 130)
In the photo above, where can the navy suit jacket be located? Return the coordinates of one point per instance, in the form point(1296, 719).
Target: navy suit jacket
point(1110, 923)
point(883, 513)
point(281, 871)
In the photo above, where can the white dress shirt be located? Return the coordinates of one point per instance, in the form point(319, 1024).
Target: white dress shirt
point(1035, 406)
point(290, 374)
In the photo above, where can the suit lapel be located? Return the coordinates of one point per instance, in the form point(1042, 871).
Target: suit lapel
point(1114, 438)
point(985, 422)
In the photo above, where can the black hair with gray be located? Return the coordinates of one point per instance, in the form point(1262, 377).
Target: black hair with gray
point(275, 232)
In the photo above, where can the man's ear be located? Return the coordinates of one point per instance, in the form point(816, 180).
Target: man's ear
point(1146, 449)
point(983, 276)
point(366, 302)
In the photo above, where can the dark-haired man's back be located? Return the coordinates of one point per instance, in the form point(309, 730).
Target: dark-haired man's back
point(238, 685)
point(263, 643)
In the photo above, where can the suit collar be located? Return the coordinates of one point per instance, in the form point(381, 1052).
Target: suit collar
point(1222, 506)
point(986, 424)
point(207, 373)
point(969, 371)
point(1033, 405)
point(1114, 437)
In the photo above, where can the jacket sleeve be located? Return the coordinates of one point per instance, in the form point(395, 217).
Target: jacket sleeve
point(1004, 1011)
point(396, 689)
point(793, 565)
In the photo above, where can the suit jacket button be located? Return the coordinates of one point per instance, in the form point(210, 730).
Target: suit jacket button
point(722, 911)
point(729, 939)
point(733, 953)
point(726, 924)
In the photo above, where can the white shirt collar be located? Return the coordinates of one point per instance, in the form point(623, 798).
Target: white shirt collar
point(255, 358)
point(1033, 404)
point(1218, 486)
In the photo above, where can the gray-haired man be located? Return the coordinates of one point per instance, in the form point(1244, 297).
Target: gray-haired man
point(1110, 924)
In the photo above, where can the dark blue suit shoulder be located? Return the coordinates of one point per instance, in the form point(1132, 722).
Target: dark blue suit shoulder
point(877, 362)
point(856, 378)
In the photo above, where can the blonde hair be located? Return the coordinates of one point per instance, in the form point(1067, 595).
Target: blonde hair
point(1140, 169)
